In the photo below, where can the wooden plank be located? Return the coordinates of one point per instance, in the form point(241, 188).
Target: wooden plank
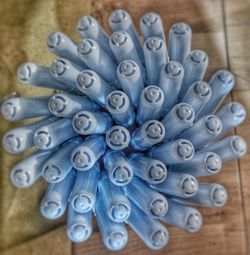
point(244, 163)
point(223, 231)
point(238, 35)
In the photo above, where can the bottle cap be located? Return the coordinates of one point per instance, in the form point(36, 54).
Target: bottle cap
point(57, 104)
point(181, 28)
point(213, 162)
point(157, 171)
point(83, 158)
point(152, 95)
point(58, 67)
point(120, 212)
point(20, 178)
point(193, 221)
point(202, 89)
point(185, 149)
point(225, 76)
point(150, 19)
point(154, 43)
point(51, 209)
point(154, 130)
point(158, 207)
point(239, 145)
point(159, 239)
point(185, 112)
point(117, 240)
point(52, 173)
point(213, 124)
point(127, 67)
point(219, 196)
point(85, 47)
point(122, 173)
point(12, 143)
point(82, 202)
point(54, 40)
point(42, 139)
point(78, 232)
point(84, 123)
point(85, 79)
point(119, 38)
point(85, 23)
point(117, 102)
point(173, 69)
point(118, 138)
point(189, 186)
point(198, 56)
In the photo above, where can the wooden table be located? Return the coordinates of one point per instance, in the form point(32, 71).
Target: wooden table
point(221, 28)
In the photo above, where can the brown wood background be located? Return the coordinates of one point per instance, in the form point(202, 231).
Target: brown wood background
point(220, 27)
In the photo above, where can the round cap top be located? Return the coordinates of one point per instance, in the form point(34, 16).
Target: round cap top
point(120, 16)
point(189, 186)
point(154, 130)
point(127, 67)
point(85, 23)
point(84, 123)
point(198, 56)
point(118, 138)
point(181, 28)
point(117, 240)
point(51, 209)
point(12, 143)
point(185, 149)
point(185, 112)
point(173, 69)
point(20, 178)
point(86, 46)
point(83, 158)
point(25, 71)
point(150, 18)
point(158, 207)
point(9, 109)
point(213, 124)
point(58, 67)
point(122, 173)
point(120, 212)
point(238, 145)
point(154, 43)
point(85, 79)
point(57, 103)
point(54, 40)
point(213, 162)
point(52, 173)
point(225, 76)
point(117, 102)
point(202, 89)
point(238, 110)
point(79, 232)
point(82, 202)
point(119, 38)
point(219, 196)
point(42, 139)
point(153, 95)
point(193, 221)
point(159, 239)
point(157, 172)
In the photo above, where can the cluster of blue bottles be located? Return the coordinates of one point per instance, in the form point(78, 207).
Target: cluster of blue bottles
point(129, 132)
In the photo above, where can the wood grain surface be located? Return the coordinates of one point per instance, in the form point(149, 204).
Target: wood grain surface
point(221, 28)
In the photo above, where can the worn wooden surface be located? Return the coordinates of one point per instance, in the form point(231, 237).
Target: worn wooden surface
point(221, 28)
